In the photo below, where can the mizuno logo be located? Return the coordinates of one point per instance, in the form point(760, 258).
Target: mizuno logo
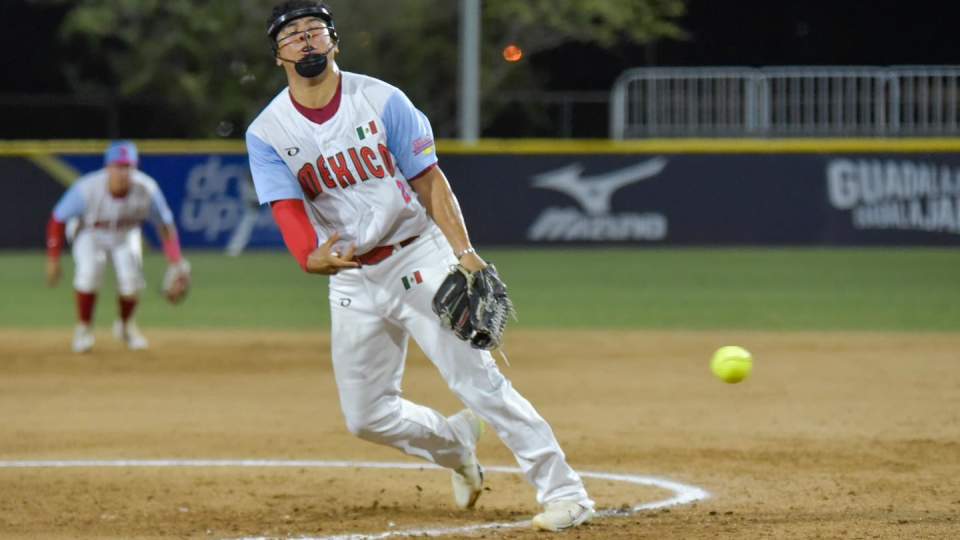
point(595, 192)
point(596, 222)
point(292, 151)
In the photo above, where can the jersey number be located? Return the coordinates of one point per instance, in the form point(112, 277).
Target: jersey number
point(403, 191)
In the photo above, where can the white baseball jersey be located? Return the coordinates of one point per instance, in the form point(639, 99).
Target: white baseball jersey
point(111, 226)
point(349, 161)
point(89, 199)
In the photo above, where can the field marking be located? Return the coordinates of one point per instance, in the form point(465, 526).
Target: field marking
point(683, 493)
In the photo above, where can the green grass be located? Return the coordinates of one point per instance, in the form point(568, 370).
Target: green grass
point(762, 289)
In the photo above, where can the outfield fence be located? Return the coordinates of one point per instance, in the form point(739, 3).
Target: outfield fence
point(558, 193)
point(797, 101)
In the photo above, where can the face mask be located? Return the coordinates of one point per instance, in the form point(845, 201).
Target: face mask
point(311, 65)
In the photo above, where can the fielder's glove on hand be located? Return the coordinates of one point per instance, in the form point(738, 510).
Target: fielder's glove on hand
point(176, 282)
point(474, 305)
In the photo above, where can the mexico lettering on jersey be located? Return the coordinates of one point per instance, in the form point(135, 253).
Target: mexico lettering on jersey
point(90, 200)
point(350, 161)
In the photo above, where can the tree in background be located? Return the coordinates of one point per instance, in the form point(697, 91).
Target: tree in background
point(210, 62)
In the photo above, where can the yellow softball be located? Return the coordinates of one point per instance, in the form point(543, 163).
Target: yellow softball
point(731, 364)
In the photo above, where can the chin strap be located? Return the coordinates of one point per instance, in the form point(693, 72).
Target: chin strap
point(311, 65)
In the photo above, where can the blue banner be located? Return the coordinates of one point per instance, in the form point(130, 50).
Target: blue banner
point(554, 199)
point(209, 195)
point(710, 199)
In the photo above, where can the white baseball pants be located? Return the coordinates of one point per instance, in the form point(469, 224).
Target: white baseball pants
point(90, 250)
point(373, 314)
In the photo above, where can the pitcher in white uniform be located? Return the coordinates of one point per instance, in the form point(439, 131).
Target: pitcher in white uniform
point(349, 167)
point(109, 206)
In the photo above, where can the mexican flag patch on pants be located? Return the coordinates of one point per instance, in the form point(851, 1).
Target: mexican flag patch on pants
point(410, 281)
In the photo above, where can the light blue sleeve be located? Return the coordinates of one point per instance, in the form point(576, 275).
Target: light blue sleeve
point(409, 136)
point(70, 205)
point(271, 176)
point(160, 210)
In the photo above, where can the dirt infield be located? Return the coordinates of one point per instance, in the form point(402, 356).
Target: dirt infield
point(835, 436)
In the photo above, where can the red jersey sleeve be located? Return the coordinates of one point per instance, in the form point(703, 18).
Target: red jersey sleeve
point(298, 233)
point(56, 237)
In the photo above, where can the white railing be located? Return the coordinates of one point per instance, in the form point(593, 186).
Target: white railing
point(791, 101)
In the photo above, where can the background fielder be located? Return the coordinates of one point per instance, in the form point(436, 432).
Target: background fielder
point(109, 206)
point(347, 162)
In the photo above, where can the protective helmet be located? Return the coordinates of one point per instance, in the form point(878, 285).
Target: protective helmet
point(298, 9)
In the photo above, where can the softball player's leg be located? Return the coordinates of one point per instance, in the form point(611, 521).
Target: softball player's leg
point(89, 261)
point(127, 256)
point(369, 352)
point(474, 377)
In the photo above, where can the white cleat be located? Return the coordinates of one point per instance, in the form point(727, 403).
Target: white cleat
point(83, 339)
point(130, 334)
point(560, 515)
point(468, 479)
point(467, 484)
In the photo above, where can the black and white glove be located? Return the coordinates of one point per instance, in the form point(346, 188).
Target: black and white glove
point(474, 305)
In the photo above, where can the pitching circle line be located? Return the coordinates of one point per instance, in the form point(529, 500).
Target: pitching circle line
point(683, 494)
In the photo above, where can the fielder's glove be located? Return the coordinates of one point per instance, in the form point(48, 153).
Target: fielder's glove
point(474, 305)
point(176, 282)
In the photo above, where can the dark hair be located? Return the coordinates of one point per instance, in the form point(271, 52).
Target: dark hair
point(292, 10)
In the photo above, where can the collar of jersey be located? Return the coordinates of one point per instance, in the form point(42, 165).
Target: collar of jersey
point(321, 115)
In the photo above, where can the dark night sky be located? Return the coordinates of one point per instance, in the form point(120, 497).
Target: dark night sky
point(880, 32)
point(29, 34)
point(774, 32)
point(721, 32)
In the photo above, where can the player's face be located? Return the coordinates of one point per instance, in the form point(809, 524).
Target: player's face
point(303, 36)
point(119, 178)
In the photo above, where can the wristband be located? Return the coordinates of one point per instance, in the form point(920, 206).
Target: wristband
point(464, 252)
point(171, 248)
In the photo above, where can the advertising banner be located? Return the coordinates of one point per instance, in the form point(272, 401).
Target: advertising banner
point(710, 199)
point(559, 199)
